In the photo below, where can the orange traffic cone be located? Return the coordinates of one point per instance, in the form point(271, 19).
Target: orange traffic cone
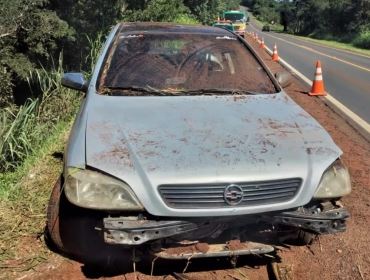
point(262, 43)
point(318, 83)
point(275, 56)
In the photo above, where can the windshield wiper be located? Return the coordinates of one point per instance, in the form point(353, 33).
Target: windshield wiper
point(216, 91)
point(132, 90)
point(148, 90)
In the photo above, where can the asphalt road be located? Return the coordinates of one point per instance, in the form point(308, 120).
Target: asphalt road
point(346, 74)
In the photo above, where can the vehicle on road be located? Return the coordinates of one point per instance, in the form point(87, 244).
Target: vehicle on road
point(239, 20)
point(266, 28)
point(186, 145)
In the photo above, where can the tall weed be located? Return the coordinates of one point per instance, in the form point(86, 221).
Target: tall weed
point(24, 128)
point(96, 45)
point(18, 134)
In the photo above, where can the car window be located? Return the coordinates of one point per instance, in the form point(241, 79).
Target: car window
point(234, 16)
point(182, 62)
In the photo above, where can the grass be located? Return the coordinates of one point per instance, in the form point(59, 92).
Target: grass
point(335, 44)
point(23, 205)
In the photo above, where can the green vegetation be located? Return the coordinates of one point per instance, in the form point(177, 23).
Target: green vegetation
point(31, 35)
point(24, 128)
point(336, 44)
point(346, 21)
point(362, 40)
point(181, 11)
point(23, 204)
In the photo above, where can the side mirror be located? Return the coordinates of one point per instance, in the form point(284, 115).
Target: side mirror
point(75, 81)
point(284, 78)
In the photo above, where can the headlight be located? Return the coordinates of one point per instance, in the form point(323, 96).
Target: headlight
point(335, 182)
point(90, 189)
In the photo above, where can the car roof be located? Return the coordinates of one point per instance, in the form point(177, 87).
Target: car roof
point(158, 27)
point(234, 12)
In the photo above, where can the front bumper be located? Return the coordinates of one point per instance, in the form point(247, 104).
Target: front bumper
point(137, 231)
point(240, 32)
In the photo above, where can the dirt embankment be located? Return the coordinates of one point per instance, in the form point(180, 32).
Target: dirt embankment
point(342, 256)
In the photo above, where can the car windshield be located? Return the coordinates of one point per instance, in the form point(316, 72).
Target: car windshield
point(234, 16)
point(172, 63)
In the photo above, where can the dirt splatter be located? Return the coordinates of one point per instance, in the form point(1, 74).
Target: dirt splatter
point(119, 155)
point(197, 248)
point(239, 97)
point(234, 245)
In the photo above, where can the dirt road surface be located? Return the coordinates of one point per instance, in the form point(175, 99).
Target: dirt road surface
point(341, 256)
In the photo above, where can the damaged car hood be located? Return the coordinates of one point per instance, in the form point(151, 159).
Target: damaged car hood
point(148, 141)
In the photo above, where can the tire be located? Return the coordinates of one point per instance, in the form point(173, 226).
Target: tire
point(52, 232)
point(72, 231)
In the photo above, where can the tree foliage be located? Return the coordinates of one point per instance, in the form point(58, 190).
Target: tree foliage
point(157, 10)
point(204, 11)
point(207, 10)
point(30, 36)
point(331, 19)
point(87, 18)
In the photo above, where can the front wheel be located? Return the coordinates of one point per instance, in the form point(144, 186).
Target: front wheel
point(52, 231)
point(77, 232)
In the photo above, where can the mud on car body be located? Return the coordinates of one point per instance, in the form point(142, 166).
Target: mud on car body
point(185, 137)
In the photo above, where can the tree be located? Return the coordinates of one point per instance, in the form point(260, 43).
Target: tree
point(157, 10)
point(207, 11)
point(31, 36)
point(87, 18)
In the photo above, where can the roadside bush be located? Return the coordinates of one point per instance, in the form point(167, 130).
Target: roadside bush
point(18, 134)
point(24, 128)
point(185, 19)
point(362, 40)
point(5, 87)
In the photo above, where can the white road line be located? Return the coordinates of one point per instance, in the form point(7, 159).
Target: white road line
point(318, 52)
point(325, 46)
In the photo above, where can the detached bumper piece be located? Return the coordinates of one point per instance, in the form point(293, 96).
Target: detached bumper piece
point(204, 250)
point(329, 221)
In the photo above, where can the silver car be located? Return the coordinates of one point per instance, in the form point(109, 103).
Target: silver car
point(186, 145)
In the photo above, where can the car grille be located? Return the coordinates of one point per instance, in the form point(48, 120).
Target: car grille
point(212, 196)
